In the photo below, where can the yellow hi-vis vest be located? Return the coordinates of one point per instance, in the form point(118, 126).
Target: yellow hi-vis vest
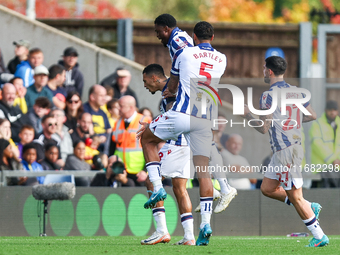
point(325, 147)
point(128, 148)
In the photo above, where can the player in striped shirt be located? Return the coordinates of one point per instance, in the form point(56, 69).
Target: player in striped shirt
point(176, 40)
point(285, 138)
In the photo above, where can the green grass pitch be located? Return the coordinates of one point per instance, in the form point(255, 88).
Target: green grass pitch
point(131, 245)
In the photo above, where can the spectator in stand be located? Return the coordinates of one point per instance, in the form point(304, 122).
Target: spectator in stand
point(120, 81)
point(9, 162)
point(113, 109)
point(6, 133)
point(66, 144)
point(25, 70)
point(84, 129)
point(101, 125)
point(10, 112)
point(124, 144)
point(41, 107)
point(76, 162)
point(56, 79)
point(74, 108)
point(146, 112)
point(48, 136)
point(21, 54)
point(232, 157)
point(38, 89)
point(21, 92)
point(91, 148)
point(26, 136)
point(29, 157)
point(74, 78)
point(51, 158)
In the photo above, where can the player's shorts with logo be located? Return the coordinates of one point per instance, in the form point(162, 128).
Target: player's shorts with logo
point(176, 162)
point(197, 131)
point(285, 166)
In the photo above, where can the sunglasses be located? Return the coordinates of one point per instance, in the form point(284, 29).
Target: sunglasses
point(51, 124)
point(73, 101)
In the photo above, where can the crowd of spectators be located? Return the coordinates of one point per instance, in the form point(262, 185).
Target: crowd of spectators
point(44, 125)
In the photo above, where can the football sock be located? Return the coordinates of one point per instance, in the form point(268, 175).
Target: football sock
point(154, 171)
point(206, 210)
point(314, 227)
point(159, 216)
point(188, 226)
point(225, 188)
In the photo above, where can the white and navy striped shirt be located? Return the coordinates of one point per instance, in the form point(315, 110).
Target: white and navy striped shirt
point(285, 129)
point(178, 40)
point(199, 69)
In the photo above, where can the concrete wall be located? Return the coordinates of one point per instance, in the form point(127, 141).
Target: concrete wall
point(107, 211)
point(95, 63)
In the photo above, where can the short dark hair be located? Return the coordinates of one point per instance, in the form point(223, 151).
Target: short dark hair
point(46, 117)
point(34, 51)
point(50, 145)
point(166, 20)
point(54, 70)
point(14, 78)
point(27, 147)
point(154, 69)
point(43, 102)
point(109, 105)
point(75, 144)
point(203, 30)
point(277, 64)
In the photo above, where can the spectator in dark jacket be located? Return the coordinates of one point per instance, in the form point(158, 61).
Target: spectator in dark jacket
point(51, 158)
point(21, 54)
point(74, 78)
point(41, 107)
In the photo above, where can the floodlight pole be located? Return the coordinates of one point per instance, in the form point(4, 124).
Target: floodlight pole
point(30, 9)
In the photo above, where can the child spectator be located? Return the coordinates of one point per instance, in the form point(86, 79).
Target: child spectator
point(29, 157)
point(113, 109)
point(26, 136)
point(21, 92)
point(91, 148)
point(51, 158)
point(41, 107)
point(146, 112)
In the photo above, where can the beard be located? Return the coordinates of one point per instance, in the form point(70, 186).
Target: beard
point(267, 80)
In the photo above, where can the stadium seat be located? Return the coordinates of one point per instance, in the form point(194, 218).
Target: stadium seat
point(58, 178)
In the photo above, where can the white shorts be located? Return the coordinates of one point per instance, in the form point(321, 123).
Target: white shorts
point(176, 161)
point(197, 131)
point(285, 166)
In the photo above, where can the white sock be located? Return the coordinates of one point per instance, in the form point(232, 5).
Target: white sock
point(206, 210)
point(159, 216)
point(188, 226)
point(154, 170)
point(225, 187)
point(314, 227)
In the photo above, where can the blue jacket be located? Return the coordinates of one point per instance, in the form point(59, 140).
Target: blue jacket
point(36, 167)
point(25, 72)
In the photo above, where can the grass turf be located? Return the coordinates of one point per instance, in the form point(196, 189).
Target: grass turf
point(131, 245)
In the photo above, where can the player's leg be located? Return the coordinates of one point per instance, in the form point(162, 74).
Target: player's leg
point(161, 235)
point(150, 149)
point(271, 188)
point(227, 192)
point(185, 208)
point(308, 217)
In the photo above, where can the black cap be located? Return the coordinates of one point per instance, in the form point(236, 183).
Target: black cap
point(331, 105)
point(70, 51)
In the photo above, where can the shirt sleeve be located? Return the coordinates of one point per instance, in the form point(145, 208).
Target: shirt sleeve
point(175, 63)
point(265, 101)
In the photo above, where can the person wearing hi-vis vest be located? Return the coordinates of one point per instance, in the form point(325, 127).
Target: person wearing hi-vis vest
point(127, 147)
point(325, 146)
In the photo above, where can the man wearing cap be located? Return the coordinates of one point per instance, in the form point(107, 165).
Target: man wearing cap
point(74, 78)
point(120, 81)
point(325, 145)
point(21, 54)
point(25, 70)
point(38, 89)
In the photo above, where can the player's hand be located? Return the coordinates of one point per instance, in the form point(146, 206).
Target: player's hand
point(145, 125)
point(246, 111)
point(167, 93)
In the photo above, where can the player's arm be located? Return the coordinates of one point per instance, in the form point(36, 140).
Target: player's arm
point(262, 124)
point(307, 118)
point(172, 85)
